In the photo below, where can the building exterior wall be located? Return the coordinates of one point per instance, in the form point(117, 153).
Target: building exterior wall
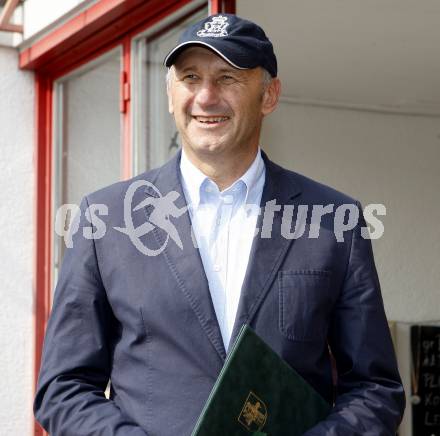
point(376, 158)
point(17, 245)
point(6, 38)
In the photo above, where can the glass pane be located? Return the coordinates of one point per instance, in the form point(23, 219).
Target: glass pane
point(156, 138)
point(91, 129)
point(87, 141)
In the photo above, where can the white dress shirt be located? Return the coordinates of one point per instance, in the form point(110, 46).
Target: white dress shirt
point(224, 227)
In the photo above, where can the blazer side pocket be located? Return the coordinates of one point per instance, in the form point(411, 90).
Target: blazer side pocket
point(304, 304)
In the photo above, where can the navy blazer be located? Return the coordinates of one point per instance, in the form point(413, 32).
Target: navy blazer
point(148, 322)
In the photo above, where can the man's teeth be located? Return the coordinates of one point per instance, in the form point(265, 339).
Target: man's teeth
point(211, 119)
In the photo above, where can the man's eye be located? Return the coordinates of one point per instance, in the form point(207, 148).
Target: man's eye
point(190, 78)
point(227, 79)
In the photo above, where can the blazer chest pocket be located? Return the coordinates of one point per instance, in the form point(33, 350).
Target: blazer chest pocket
point(304, 304)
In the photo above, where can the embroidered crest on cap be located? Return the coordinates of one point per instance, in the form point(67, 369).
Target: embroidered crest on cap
point(215, 28)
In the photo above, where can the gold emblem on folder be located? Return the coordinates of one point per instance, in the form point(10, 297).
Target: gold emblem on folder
point(254, 413)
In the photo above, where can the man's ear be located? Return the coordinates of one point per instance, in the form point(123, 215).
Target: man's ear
point(170, 102)
point(271, 96)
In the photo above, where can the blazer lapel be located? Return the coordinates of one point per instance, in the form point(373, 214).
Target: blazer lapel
point(185, 262)
point(267, 253)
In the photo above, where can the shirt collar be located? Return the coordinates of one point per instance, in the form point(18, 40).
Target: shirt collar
point(193, 178)
point(253, 175)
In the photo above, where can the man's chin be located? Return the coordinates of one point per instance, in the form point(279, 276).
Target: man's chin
point(207, 148)
point(208, 143)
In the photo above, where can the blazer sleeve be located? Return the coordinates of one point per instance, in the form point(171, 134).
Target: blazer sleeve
point(370, 399)
point(77, 351)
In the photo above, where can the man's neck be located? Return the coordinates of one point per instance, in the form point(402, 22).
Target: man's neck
point(224, 171)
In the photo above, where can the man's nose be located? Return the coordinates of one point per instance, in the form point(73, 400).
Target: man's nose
point(207, 94)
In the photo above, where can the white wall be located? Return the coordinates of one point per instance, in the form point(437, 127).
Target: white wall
point(16, 245)
point(377, 158)
point(6, 38)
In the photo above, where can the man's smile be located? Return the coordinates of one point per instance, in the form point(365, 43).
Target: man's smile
point(211, 120)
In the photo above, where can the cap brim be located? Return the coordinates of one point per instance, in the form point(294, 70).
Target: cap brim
point(176, 51)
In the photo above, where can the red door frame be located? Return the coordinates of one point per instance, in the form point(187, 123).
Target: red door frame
point(43, 215)
point(94, 31)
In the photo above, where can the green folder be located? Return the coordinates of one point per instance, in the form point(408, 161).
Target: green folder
point(258, 393)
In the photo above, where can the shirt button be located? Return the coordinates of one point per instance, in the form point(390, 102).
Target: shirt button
point(228, 199)
point(208, 189)
point(216, 267)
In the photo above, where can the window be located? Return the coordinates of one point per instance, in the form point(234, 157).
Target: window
point(87, 135)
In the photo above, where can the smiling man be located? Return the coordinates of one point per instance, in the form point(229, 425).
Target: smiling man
point(160, 326)
point(218, 111)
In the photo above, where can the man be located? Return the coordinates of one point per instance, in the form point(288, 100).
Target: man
point(156, 316)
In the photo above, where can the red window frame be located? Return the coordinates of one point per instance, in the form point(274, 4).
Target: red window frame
point(94, 31)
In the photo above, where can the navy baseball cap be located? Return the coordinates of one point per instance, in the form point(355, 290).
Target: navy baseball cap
point(241, 43)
